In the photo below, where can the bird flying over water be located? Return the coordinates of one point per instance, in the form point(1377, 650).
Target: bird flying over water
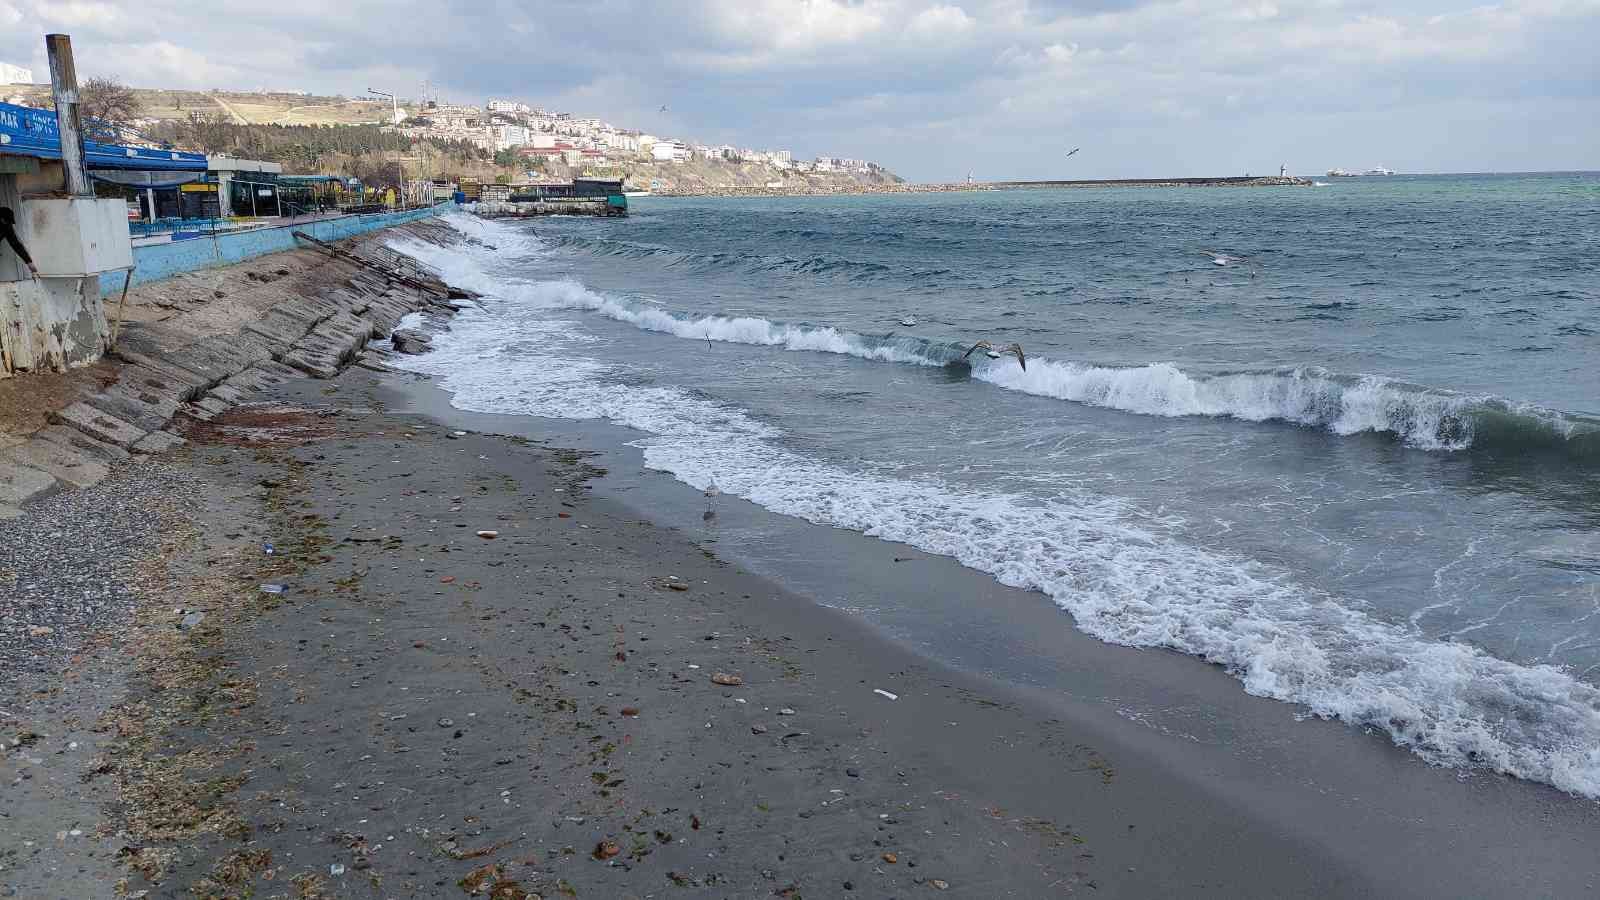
point(989, 351)
point(663, 107)
point(1073, 150)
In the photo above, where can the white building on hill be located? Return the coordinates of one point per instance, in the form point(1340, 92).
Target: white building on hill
point(10, 74)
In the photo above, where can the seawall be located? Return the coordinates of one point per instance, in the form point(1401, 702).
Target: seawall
point(154, 262)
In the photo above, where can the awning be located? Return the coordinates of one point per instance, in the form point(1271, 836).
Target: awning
point(33, 132)
point(145, 178)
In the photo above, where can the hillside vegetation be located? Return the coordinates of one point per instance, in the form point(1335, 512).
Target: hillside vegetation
point(245, 107)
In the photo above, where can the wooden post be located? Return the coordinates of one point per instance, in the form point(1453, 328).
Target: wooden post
point(64, 86)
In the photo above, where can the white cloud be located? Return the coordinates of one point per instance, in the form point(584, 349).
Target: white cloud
point(919, 80)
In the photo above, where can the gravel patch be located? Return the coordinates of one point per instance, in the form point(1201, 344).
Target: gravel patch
point(67, 567)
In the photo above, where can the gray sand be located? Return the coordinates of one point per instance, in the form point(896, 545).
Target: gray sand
point(429, 713)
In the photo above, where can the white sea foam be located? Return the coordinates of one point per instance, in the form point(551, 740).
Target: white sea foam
point(1123, 582)
point(1425, 419)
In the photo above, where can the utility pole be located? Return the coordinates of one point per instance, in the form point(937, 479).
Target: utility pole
point(64, 87)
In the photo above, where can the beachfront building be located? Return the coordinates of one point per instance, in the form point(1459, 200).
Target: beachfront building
point(56, 320)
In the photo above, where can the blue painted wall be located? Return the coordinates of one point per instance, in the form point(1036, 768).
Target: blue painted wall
point(158, 261)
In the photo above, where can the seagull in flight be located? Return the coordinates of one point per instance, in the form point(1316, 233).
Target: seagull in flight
point(1073, 150)
point(663, 107)
point(989, 351)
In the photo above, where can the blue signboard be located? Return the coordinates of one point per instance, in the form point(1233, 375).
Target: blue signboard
point(33, 132)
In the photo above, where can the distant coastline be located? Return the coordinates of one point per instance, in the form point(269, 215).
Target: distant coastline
point(950, 187)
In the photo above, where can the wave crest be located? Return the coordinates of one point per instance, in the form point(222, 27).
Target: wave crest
point(1424, 418)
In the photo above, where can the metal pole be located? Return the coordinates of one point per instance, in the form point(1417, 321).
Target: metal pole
point(64, 87)
point(116, 327)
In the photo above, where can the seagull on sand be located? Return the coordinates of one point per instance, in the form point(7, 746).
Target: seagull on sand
point(989, 351)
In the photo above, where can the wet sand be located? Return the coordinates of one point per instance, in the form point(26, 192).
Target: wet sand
point(425, 712)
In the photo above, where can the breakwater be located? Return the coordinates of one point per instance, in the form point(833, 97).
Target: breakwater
point(963, 186)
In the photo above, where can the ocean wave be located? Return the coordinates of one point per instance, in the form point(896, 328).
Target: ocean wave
point(815, 264)
point(1123, 581)
point(1420, 417)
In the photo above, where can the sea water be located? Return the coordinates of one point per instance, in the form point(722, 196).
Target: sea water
point(1357, 464)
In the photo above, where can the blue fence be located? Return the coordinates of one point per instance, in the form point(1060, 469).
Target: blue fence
point(157, 261)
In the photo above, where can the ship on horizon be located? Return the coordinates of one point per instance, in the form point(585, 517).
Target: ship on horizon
point(1376, 170)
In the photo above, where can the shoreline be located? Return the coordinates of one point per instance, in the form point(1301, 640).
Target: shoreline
point(1351, 799)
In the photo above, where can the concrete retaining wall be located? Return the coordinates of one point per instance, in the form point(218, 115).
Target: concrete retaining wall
point(157, 261)
point(49, 324)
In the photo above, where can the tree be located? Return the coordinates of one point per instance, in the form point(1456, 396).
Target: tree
point(108, 105)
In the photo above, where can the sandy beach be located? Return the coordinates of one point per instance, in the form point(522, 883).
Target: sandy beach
point(349, 642)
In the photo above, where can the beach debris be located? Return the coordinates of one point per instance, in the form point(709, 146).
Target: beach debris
point(40, 631)
point(988, 350)
point(456, 435)
point(786, 711)
point(724, 678)
point(886, 693)
point(940, 884)
point(909, 321)
point(336, 869)
point(272, 589)
point(446, 722)
point(191, 620)
point(268, 549)
point(488, 534)
point(853, 772)
point(606, 849)
point(563, 515)
point(631, 712)
point(891, 858)
point(758, 729)
point(675, 586)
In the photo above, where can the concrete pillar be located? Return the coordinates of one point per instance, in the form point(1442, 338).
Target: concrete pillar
point(224, 194)
point(150, 200)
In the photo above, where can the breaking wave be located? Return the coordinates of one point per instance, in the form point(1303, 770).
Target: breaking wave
point(1420, 417)
point(1123, 581)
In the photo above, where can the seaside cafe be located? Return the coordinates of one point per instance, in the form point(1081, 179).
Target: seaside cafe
point(57, 320)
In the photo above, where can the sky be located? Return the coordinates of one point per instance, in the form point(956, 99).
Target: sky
point(1001, 89)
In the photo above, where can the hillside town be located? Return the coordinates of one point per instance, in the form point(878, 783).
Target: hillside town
point(519, 142)
point(534, 133)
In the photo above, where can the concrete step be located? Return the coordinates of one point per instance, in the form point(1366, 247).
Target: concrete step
point(69, 465)
point(98, 425)
point(20, 483)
